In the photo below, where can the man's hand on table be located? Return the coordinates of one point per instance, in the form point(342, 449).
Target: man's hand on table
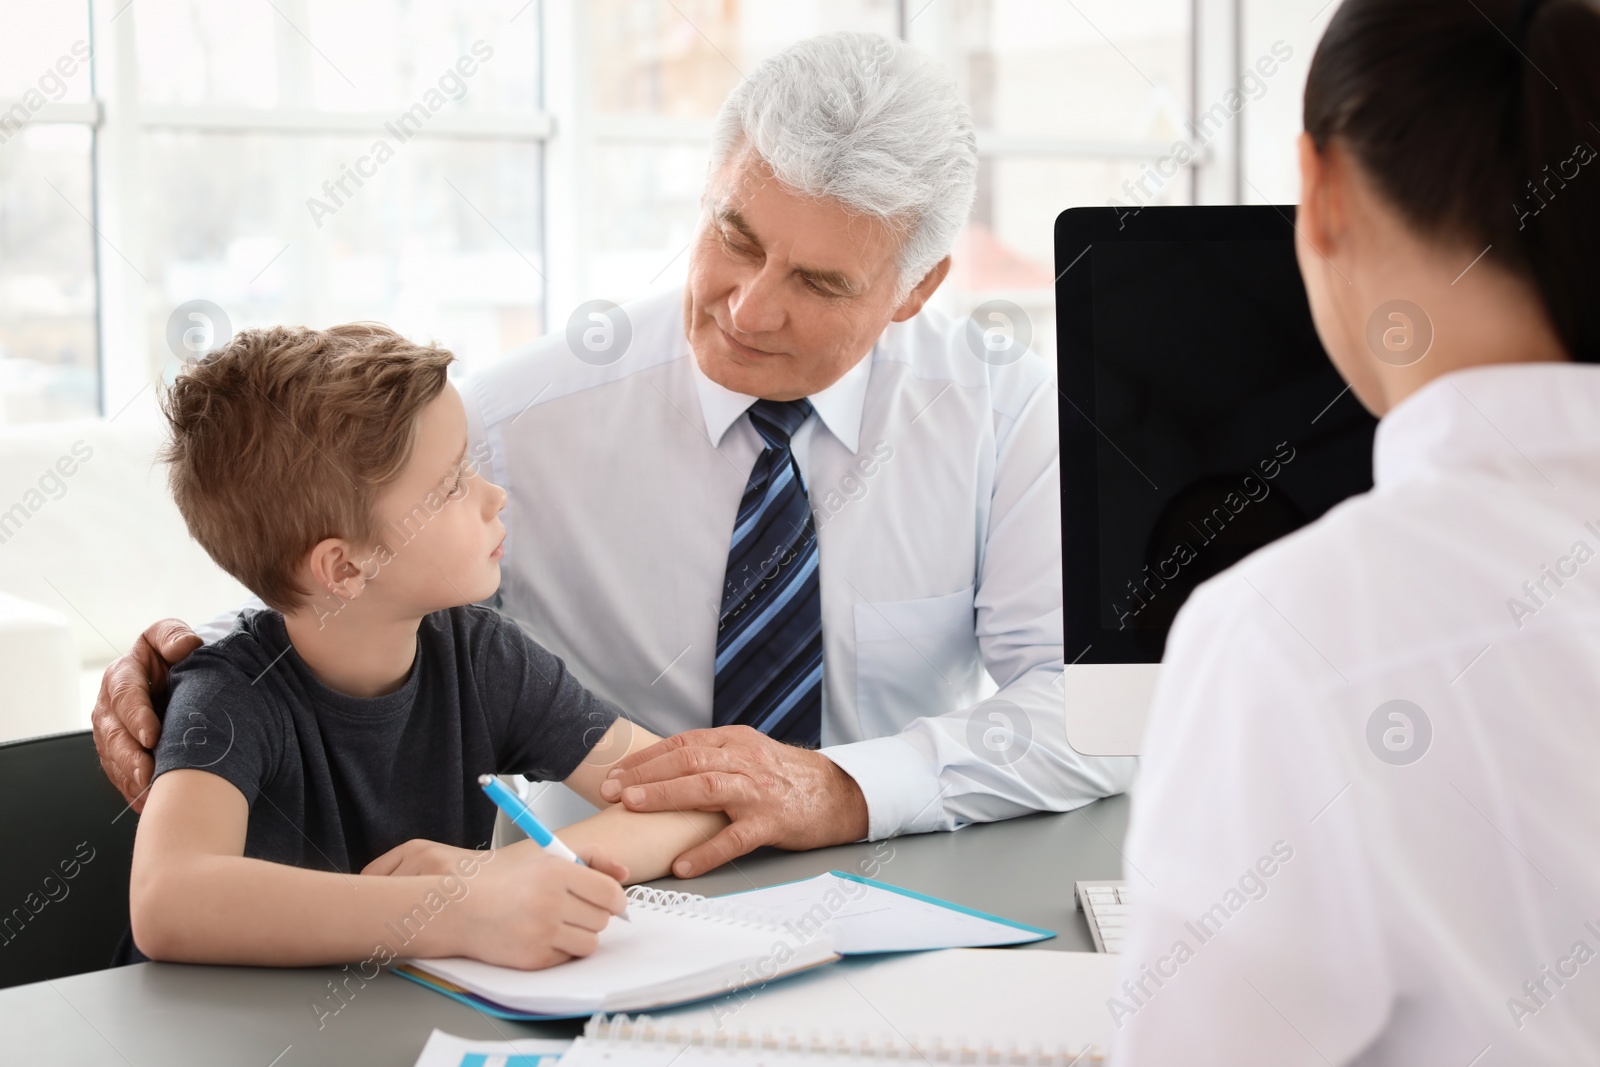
point(775, 794)
point(125, 723)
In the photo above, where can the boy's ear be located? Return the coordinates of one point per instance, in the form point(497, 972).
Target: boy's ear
point(335, 569)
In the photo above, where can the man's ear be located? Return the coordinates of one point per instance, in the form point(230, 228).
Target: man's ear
point(335, 569)
point(922, 291)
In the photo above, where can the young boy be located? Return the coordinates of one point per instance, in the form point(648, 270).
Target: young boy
point(315, 797)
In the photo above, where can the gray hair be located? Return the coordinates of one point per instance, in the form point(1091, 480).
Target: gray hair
point(867, 121)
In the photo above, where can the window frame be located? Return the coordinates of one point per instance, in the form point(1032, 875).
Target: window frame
point(565, 126)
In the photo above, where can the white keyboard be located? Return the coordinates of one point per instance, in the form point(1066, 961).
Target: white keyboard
point(1105, 906)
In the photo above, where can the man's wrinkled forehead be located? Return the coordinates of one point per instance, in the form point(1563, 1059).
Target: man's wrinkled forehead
point(727, 202)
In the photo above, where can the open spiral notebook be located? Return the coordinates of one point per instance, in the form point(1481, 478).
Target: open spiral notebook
point(679, 947)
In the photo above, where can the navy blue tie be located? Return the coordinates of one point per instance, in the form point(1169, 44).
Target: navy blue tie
point(769, 634)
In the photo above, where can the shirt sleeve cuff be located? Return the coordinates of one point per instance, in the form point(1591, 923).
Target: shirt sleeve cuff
point(901, 790)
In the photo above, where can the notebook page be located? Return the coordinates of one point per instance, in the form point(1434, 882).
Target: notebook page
point(662, 951)
point(870, 918)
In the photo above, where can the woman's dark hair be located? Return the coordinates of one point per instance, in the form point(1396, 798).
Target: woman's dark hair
point(1480, 123)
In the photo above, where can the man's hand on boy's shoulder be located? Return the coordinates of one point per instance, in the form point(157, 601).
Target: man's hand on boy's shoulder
point(125, 722)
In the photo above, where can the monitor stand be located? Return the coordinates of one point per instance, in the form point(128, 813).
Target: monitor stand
point(1106, 706)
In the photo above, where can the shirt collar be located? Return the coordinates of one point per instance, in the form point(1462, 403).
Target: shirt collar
point(1519, 420)
point(839, 406)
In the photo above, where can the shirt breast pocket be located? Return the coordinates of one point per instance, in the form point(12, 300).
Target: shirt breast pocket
point(914, 658)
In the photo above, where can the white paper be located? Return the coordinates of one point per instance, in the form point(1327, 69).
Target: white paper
point(448, 1050)
point(867, 918)
point(662, 956)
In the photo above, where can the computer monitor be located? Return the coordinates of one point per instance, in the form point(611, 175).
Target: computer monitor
point(1200, 420)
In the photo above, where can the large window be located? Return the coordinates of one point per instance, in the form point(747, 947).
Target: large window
point(471, 172)
point(49, 349)
point(1071, 101)
point(304, 161)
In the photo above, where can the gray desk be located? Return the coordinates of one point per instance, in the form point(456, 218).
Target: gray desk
point(164, 1014)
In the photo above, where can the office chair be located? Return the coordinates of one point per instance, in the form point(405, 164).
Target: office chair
point(66, 846)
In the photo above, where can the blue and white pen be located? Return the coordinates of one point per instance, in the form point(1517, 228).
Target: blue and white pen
point(518, 813)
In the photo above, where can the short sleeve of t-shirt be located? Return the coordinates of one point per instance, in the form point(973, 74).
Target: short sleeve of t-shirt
point(217, 722)
point(545, 721)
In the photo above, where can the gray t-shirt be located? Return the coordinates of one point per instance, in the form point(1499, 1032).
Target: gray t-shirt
point(335, 781)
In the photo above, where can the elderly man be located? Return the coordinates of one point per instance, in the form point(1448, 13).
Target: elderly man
point(787, 514)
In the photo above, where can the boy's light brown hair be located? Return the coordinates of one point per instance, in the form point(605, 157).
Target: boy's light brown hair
point(286, 436)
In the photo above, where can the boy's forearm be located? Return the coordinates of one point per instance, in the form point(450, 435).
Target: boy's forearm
point(229, 909)
point(644, 842)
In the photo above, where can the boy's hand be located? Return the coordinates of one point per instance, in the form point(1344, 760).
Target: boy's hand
point(596, 857)
point(421, 856)
point(531, 910)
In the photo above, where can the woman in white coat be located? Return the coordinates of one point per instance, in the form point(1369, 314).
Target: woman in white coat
point(1368, 824)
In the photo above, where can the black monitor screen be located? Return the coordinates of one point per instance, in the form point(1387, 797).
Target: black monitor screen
point(1200, 417)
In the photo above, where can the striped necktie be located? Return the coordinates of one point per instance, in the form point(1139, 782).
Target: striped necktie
point(769, 635)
